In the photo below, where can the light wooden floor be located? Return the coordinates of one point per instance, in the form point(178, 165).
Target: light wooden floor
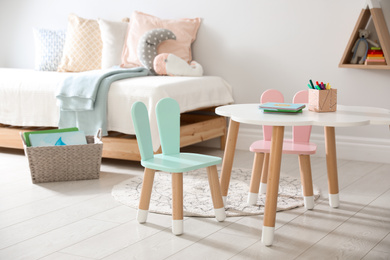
point(80, 220)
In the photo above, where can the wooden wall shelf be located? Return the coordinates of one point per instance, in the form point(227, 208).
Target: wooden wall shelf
point(374, 11)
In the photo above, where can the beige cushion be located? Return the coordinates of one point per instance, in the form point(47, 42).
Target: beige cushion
point(185, 30)
point(83, 45)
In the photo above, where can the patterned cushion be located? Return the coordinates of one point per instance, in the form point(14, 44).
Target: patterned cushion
point(49, 45)
point(83, 45)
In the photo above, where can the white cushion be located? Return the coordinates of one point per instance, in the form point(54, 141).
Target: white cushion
point(113, 37)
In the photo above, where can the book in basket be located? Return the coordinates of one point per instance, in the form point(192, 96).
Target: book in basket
point(62, 138)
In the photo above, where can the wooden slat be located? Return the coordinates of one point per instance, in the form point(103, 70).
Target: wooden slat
point(195, 128)
point(201, 131)
point(10, 138)
point(121, 148)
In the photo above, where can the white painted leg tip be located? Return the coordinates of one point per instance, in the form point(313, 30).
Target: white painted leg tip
point(220, 214)
point(252, 198)
point(309, 202)
point(263, 188)
point(224, 198)
point(142, 215)
point(267, 235)
point(177, 227)
point(334, 201)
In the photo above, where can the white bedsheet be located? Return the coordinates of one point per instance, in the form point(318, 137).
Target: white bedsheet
point(27, 97)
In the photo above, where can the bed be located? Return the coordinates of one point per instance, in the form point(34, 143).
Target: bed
point(27, 102)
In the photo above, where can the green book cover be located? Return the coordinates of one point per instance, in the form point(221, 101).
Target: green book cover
point(282, 111)
point(27, 134)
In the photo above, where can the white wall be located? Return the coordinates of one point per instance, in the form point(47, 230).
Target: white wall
point(253, 44)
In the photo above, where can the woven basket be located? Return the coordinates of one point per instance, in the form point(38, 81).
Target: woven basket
point(67, 162)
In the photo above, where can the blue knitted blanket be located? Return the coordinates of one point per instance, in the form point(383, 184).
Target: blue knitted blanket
point(82, 98)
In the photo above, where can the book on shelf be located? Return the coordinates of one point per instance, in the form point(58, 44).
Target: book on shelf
point(376, 58)
point(369, 52)
point(374, 55)
point(272, 107)
point(375, 62)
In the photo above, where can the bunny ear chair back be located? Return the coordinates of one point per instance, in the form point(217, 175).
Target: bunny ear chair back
point(171, 161)
point(299, 145)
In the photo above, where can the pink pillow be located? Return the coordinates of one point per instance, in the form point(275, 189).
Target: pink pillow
point(184, 29)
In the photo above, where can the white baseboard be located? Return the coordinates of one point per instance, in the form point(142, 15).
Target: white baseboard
point(348, 148)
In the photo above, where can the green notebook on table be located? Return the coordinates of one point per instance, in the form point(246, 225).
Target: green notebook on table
point(272, 107)
point(26, 135)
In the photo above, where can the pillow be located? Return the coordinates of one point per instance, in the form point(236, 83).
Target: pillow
point(184, 29)
point(147, 45)
point(83, 45)
point(171, 65)
point(113, 37)
point(49, 45)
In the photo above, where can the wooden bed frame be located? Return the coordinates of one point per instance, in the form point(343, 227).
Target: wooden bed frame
point(196, 126)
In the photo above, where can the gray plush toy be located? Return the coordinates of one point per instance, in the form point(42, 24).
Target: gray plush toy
point(147, 45)
point(361, 47)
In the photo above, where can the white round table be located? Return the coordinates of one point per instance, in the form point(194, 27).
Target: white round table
point(345, 116)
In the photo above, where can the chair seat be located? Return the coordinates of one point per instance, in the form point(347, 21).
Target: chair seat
point(289, 147)
point(181, 162)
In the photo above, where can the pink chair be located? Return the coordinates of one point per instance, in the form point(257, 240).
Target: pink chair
point(299, 144)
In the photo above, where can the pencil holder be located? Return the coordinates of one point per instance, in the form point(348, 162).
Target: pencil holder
point(323, 100)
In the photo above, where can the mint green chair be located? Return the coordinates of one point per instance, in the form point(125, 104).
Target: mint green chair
point(171, 161)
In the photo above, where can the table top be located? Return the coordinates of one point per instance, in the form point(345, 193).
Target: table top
point(343, 117)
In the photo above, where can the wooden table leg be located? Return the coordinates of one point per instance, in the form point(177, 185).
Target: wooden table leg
point(271, 199)
point(331, 163)
point(227, 163)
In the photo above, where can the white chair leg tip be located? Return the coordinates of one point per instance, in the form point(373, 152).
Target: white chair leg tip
point(224, 198)
point(267, 235)
point(142, 215)
point(263, 188)
point(252, 198)
point(309, 202)
point(220, 214)
point(334, 201)
point(177, 227)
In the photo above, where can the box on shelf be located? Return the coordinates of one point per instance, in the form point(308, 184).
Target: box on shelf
point(323, 100)
point(65, 162)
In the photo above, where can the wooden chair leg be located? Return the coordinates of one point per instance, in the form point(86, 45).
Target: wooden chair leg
point(177, 203)
point(216, 194)
point(255, 178)
point(146, 191)
point(306, 180)
point(264, 174)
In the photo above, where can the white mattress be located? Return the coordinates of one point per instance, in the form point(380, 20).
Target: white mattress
point(27, 97)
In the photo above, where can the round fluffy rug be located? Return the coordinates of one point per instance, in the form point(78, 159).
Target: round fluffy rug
point(197, 198)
